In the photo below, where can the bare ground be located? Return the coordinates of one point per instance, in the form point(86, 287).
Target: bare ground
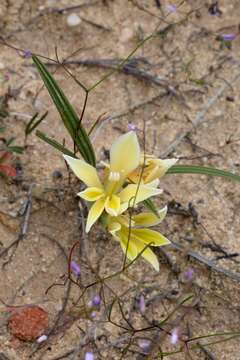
point(188, 66)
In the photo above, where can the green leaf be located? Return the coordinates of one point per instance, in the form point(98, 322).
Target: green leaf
point(151, 206)
point(34, 122)
point(16, 149)
point(2, 129)
point(67, 113)
point(209, 171)
point(54, 143)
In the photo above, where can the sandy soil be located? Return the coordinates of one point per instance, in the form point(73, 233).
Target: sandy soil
point(193, 65)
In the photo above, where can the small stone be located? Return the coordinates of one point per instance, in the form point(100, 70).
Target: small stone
point(41, 339)
point(29, 323)
point(73, 20)
point(2, 66)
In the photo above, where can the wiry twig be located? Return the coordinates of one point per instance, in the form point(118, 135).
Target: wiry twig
point(24, 225)
point(129, 68)
point(207, 352)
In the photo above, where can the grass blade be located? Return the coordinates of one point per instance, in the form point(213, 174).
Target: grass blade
point(54, 143)
point(67, 113)
point(202, 170)
point(34, 122)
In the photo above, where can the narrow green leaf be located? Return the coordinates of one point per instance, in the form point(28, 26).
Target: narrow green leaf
point(16, 149)
point(191, 169)
point(2, 129)
point(29, 124)
point(67, 113)
point(34, 122)
point(151, 206)
point(54, 143)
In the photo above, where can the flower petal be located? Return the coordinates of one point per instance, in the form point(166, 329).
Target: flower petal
point(149, 255)
point(149, 219)
point(125, 154)
point(158, 168)
point(91, 194)
point(143, 192)
point(113, 228)
point(129, 247)
point(84, 171)
point(151, 237)
point(112, 205)
point(94, 213)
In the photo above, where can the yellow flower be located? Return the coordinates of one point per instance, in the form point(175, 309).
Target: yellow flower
point(153, 169)
point(139, 237)
point(109, 195)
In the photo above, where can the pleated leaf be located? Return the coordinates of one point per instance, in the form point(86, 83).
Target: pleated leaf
point(67, 113)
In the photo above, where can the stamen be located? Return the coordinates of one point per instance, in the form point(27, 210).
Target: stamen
point(114, 176)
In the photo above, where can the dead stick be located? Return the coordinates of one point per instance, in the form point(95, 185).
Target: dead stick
point(209, 263)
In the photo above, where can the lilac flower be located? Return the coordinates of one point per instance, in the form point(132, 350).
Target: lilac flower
point(96, 300)
point(75, 268)
point(131, 127)
point(228, 37)
point(93, 314)
point(142, 305)
point(144, 344)
point(174, 336)
point(171, 8)
point(89, 356)
point(188, 275)
point(27, 54)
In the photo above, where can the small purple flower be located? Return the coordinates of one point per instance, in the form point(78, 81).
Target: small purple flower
point(188, 275)
point(27, 54)
point(75, 268)
point(171, 8)
point(89, 356)
point(144, 344)
point(93, 314)
point(174, 336)
point(96, 300)
point(228, 37)
point(142, 305)
point(131, 127)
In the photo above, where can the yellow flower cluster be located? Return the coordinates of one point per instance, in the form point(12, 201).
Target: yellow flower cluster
point(130, 179)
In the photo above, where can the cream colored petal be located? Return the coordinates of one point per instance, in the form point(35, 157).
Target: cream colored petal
point(84, 171)
point(149, 255)
point(143, 192)
point(113, 228)
point(91, 194)
point(94, 213)
point(149, 219)
point(154, 183)
point(112, 205)
point(151, 237)
point(130, 247)
point(125, 154)
point(160, 169)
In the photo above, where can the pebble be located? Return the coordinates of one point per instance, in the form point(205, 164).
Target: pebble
point(2, 65)
point(73, 20)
